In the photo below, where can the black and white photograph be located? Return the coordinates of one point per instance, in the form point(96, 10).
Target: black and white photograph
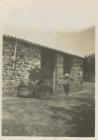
point(48, 69)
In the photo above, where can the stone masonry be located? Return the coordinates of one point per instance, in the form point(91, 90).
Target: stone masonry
point(59, 71)
point(16, 69)
point(19, 56)
point(75, 72)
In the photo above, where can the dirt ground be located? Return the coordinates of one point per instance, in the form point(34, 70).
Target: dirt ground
point(70, 115)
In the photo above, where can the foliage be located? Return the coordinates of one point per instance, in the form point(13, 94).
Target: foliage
point(89, 67)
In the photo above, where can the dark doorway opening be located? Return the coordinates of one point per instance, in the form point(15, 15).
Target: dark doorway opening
point(47, 62)
point(67, 63)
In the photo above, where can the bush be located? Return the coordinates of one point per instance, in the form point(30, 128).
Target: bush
point(89, 67)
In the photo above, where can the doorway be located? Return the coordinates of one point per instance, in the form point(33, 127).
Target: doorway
point(47, 62)
point(67, 63)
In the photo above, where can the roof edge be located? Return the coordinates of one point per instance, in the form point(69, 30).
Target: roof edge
point(40, 45)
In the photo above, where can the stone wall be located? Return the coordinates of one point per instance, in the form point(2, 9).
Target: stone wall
point(59, 71)
point(19, 57)
point(75, 72)
point(16, 66)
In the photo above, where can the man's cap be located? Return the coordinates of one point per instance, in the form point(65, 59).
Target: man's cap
point(67, 74)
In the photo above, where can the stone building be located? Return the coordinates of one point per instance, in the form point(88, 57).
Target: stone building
point(20, 55)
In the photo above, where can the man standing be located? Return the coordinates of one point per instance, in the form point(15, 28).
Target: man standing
point(66, 83)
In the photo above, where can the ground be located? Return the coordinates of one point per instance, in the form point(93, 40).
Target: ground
point(71, 115)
